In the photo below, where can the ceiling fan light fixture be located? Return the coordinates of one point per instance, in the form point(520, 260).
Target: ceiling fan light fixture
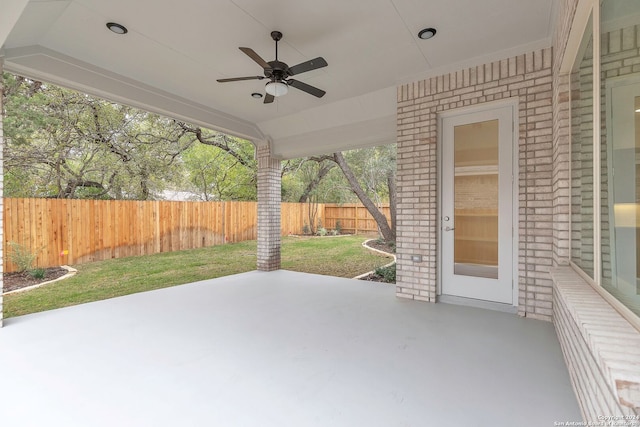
point(117, 28)
point(427, 33)
point(276, 88)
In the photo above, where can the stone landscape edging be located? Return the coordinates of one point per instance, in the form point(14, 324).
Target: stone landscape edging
point(380, 252)
point(70, 272)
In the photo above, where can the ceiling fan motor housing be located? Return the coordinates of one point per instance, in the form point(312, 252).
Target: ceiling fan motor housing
point(278, 71)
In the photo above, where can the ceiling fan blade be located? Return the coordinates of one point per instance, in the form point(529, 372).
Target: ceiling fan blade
point(268, 99)
point(303, 67)
point(237, 79)
point(253, 55)
point(306, 88)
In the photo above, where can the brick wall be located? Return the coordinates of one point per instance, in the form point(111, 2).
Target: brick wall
point(269, 197)
point(526, 78)
point(476, 191)
point(600, 349)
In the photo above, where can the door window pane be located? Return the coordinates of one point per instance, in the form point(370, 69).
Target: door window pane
point(476, 199)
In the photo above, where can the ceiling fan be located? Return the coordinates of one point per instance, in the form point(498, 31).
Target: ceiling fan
point(279, 73)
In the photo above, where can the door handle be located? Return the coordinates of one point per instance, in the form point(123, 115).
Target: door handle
point(447, 228)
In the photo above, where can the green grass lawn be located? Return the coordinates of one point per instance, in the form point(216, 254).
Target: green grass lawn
point(336, 256)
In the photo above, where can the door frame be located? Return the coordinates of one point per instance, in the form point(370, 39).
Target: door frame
point(513, 104)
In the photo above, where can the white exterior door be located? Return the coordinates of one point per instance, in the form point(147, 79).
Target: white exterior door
point(477, 205)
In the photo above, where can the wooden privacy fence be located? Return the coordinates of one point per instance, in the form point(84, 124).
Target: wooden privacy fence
point(65, 231)
point(354, 218)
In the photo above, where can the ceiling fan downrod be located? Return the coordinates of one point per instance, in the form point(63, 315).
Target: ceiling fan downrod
point(276, 36)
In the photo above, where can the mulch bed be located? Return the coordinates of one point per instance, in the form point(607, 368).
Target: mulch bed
point(384, 247)
point(14, 281)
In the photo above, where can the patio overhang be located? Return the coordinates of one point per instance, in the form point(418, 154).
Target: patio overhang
point(169, 60)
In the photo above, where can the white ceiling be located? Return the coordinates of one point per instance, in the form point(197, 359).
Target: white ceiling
point(175, 50)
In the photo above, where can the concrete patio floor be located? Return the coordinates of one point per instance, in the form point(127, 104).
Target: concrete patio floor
point(280, 349)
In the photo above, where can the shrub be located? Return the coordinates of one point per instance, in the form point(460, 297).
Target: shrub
point(388, 274)
point(322, 231)
point(338, 227)
point(21, 256)
point(335, 232)
point(38, 273)
point(306, 229)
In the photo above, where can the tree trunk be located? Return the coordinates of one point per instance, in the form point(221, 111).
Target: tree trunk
point(74, 184)
point(322, 172)
point(388, 234)
point(393, 197)
point(313, 214)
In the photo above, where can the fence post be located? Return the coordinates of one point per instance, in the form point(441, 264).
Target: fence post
point(224, 222)
point(356, 220)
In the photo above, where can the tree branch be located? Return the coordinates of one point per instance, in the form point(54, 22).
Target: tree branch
point(223, 145)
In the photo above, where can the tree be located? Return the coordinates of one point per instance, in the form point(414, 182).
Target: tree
point(72, 145)
point(368, 174)
point(213, 174)
point(388, 233)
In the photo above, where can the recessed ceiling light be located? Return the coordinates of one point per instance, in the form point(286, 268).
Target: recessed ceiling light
point(427, 33)
point(117, 28)
point(256, 95)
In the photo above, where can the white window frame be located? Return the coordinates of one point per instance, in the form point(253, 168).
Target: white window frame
point(584, 10)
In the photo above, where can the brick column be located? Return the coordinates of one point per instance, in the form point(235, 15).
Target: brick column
point(269, 198)
point(1, 196)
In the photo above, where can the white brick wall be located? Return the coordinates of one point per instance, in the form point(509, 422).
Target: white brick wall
point(269, 198)
point(602, 350)
point(526, 77)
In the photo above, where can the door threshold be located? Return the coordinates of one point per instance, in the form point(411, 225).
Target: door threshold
point(478, 303)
